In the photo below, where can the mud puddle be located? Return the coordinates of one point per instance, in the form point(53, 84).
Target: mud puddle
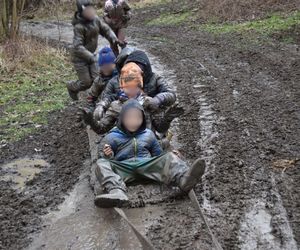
point(22, 171)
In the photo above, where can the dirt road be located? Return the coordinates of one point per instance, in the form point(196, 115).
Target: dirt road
point(242, 103)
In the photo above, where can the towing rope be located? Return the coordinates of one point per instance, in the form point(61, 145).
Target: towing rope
point(146, 244)
point(197, 206)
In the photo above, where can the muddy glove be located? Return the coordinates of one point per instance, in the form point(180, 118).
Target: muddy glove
point(151, 104)
point(98, 113)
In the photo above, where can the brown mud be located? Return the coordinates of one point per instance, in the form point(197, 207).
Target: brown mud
point(242, 116)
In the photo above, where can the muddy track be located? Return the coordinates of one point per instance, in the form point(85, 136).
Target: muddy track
point(242, 116)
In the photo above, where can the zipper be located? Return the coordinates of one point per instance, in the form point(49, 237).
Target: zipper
point(135, 147)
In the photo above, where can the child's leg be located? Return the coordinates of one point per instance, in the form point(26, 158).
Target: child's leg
point(86, 74)
point(167, 168)
point(108, 179)
point(171, 170)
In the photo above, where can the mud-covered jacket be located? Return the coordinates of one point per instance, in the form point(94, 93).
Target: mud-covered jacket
point(85, 40)
point(100, 83)
point(126, 145)
point(154, 85)
point(117, 15)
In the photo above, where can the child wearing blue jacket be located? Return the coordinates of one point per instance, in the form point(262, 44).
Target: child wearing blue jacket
point(131, 153)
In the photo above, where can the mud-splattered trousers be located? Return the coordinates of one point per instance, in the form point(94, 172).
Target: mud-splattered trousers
point(166, 168)
point(85, 43)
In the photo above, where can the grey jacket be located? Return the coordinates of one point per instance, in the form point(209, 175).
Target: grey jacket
point(86, 35)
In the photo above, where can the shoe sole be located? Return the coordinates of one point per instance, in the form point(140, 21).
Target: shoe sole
point(198, 170)
point(104, 202)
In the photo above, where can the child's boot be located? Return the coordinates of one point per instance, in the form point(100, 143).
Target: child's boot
point(73, 94)
point(88, 118)
point(115, 198)
point(192, 176)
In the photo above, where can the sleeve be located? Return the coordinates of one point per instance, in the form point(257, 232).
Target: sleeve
point(108, 139)
point(106, 31)
point(166, 95)
point(155, 148)
point(108, 121)
point(78, 44)
point(109, 94)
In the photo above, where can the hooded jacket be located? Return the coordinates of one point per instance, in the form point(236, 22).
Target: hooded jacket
point(154, 85)
point(132, 146)
point(85, 40)
point(117, 13)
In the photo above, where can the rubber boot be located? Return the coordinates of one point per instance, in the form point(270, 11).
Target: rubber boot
point(88, 118)
point(73, 94)
point(174, 112)
point(115, 198)
point(192, 176)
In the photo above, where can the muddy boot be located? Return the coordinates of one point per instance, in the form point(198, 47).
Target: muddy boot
point(192, 176)
point(174, 112)
point(88, 118)
point(115, 198)
point(73, 94)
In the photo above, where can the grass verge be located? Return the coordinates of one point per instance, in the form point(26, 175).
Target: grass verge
point(32, 78)
point(267, 26)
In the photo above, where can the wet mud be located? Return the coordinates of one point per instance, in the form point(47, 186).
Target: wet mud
point(242, 116)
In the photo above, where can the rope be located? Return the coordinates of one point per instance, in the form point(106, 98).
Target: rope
point(196, 204)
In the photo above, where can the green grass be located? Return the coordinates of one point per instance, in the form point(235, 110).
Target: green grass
point(30, 89)
point(266, 26)
point(148, 3)
point(170, 19)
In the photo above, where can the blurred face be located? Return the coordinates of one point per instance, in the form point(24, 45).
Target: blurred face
point(107, 69)
point(133, 119)
point(89, 13)
point(131, 92)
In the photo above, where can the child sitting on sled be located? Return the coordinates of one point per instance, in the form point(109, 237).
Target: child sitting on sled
point(131, 87)
point(117, 15)
point(131, 153)
point(107, 70)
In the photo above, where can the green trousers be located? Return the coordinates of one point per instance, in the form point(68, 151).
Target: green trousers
point(167, 169)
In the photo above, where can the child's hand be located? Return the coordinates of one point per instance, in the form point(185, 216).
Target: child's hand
point(107, 150)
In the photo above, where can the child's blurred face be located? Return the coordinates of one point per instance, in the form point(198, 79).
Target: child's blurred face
point(131, 92)
point(89, 13)
point(133, 119)
point(107, 69)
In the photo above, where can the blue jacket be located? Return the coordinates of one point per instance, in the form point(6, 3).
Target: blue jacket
point(125, 145)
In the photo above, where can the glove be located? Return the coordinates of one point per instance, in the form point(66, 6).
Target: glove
point(122, 44)
point(98, 113)
point(151, 104)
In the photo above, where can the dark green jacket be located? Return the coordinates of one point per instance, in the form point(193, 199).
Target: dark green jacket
point(86, 33)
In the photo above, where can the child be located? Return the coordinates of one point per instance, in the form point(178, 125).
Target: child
point(106, 62)
point(132, 153)
point(160, 95)
point(117, 15)
point(87, 28)
point(131, 85)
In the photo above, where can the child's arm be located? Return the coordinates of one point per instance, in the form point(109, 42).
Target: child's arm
point(107, 147)
point(155, 148)
point(78, 45)
point(106, 31)
point(127, 8)
point(108, 121)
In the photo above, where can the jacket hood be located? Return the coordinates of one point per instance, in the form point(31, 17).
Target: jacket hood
point(140, 58)
point(77, 18)
point(131, 104)
point(137, 56)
